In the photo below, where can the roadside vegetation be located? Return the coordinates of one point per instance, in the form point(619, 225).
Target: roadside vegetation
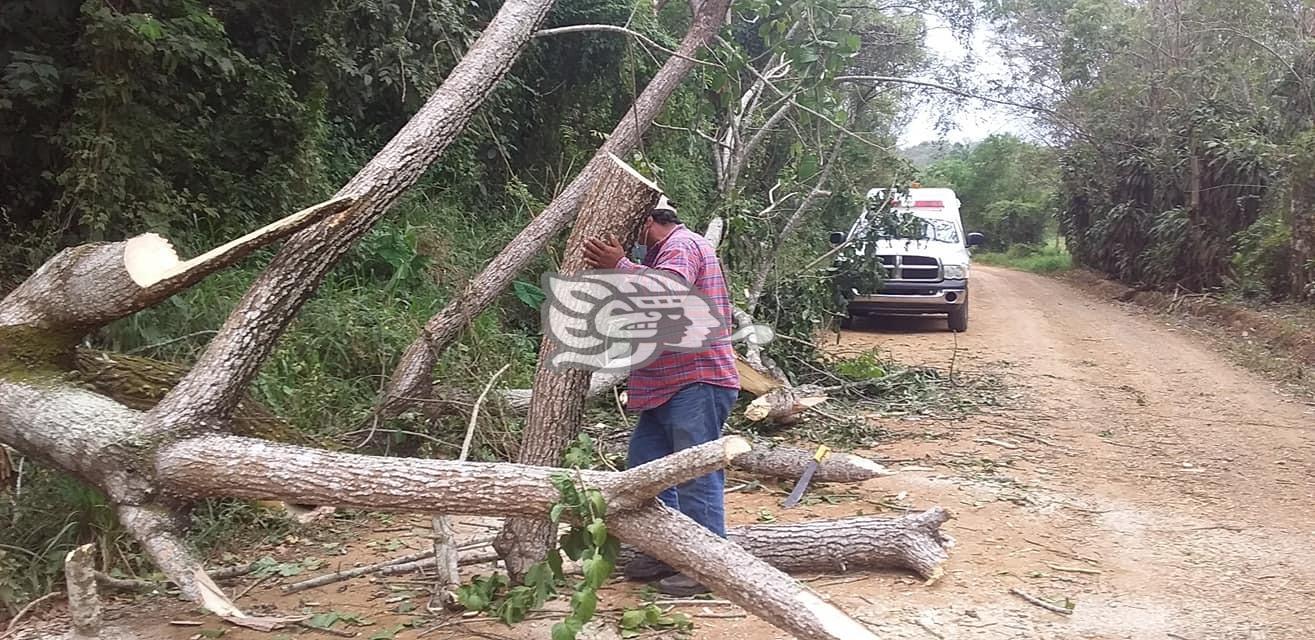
point(1046, 259)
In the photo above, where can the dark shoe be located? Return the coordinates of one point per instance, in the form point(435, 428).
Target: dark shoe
point(645, 568)
point(681, 586)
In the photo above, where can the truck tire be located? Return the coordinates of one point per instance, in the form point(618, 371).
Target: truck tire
point(959, 318)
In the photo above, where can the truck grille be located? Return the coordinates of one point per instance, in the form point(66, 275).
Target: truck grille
point(900, 267)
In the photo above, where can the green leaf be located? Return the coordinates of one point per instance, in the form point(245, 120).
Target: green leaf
point(597, 503)
point(574, 543)
point(633, 619)
point(596, 571)
point(555, 514)
point(598, 530)
point(567, 629)
point(542, 580)
point(323, 620)
point(529, 293)
point(387, 634)
point(555, 563)
point(584, 603)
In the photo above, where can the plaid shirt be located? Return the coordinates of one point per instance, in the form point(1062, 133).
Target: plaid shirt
point(690, 256)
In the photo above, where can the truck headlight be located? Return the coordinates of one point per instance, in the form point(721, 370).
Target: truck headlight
point(956, 271)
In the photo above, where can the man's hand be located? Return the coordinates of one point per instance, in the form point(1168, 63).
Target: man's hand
point(603, 254)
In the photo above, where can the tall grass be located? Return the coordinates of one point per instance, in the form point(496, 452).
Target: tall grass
point(1048, 258)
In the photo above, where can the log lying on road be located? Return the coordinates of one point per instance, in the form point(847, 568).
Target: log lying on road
point(912, 542)
point(783, 405)
point(789, 462)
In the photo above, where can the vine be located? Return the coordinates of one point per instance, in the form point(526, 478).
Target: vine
point(588, 542)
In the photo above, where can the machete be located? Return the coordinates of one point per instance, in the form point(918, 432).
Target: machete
point(807, 476)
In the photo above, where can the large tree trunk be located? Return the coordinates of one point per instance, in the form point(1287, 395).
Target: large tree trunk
point(411, 380)
point(614, 207)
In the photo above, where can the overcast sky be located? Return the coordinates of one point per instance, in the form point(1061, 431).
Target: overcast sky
point(975, 120)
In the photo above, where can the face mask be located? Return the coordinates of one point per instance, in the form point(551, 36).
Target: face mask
point(640, 250)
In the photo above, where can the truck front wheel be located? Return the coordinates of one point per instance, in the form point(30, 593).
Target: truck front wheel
point(959, 318)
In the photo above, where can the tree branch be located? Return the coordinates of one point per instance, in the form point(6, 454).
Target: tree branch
point(206, 396)
point(411, 380)
point(206, 466)
point(89, 286)
point(608, 28)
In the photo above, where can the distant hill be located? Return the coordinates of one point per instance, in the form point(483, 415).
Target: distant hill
point(927, 153)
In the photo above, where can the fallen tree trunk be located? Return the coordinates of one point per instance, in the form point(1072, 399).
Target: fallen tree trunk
point(733, 573)
point(614, 208)
point(912, 542)
point(789, 463)
point(46, 421)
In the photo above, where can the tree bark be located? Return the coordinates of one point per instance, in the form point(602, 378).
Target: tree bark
point(789, 463)
point(614, 207)
point(732, 573)
point(411, 380)
point(83, 600)
point(913, 542)
point(784, 405)
point(1302, 269)
point(89, 286)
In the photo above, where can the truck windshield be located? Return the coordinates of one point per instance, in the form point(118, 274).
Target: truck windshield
point(938, 230)
point(914, 227)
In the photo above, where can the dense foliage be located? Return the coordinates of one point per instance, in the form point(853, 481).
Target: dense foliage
point(1007, 188)
point(1186, 128)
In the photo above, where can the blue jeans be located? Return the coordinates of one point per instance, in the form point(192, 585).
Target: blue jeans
point(691, 417)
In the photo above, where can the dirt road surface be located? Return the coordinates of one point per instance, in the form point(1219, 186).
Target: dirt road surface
point(1160, 490)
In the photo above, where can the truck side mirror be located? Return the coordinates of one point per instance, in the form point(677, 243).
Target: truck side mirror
point(837, 238)
point(975, 239)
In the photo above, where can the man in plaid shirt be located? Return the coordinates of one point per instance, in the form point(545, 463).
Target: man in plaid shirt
point(683, 397)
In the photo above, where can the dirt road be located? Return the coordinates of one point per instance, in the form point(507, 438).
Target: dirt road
point(1164, 492)
point(1186, 481)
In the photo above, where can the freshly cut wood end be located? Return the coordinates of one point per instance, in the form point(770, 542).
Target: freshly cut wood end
point(864, 463)
point(637, 175)
point(148, 258)
point(735, 446)
point(756, 411)
point(935, 575)
point(834, 622)
point(213, 598)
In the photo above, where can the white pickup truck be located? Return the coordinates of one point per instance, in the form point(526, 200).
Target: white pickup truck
point(925, 273)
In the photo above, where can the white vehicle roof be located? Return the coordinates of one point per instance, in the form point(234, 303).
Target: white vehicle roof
point(930, 202)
